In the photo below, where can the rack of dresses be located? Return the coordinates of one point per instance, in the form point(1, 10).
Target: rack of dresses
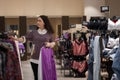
point(10, 65)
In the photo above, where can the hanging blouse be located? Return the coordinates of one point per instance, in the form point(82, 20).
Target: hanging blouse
point(79, 48)
point(113, 24)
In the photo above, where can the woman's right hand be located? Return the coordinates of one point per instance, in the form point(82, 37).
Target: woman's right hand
point(12, 38)
point(17, 39)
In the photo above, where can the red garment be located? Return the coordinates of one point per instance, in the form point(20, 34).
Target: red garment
point(79, 48)
point(115, 21)
point(80, 66)
point(75, 65)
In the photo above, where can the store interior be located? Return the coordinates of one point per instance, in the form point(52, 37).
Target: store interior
point(93, 23)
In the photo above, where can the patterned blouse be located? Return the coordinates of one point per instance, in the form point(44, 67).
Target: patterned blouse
point(39, 41)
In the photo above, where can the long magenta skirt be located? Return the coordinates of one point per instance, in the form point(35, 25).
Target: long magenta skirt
point(48, 64)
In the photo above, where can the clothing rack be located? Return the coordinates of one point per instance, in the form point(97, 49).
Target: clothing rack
point(68, 58)
point(65, 54)
point(10, 66)
point(106, 63)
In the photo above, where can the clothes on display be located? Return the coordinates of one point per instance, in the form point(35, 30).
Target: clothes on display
point(21, 48)
point(97, 23)
point(94, 59)
point(96, 63)
point(91, 59)
point(114, 77)
point(116, 63)
point(80, 66)
point(103, 23)
point(114, 23)
point(107, 54)
point(10, 68)
point(79, 48)
point(74, 53)
point(112, 46)
point(65, 53)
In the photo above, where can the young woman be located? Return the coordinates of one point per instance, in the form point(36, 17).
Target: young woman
point(43, 37)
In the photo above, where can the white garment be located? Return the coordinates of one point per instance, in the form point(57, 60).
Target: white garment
point(18, 52)
point(40, 76)
point(96, 63)
point(34, 61)
point(113, 25)
point(112, 42)
point(114, 77)
point(117, 41)
point(44, 31)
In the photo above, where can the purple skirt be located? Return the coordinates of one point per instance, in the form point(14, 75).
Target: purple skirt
point(48, 64)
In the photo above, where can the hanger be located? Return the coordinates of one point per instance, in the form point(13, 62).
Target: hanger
point(115, 18)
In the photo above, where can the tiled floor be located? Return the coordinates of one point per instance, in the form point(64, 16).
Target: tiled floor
point(28, 75)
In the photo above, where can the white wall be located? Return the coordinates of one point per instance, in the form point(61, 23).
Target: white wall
point(114, 7)
point(38, 7)
point(92, 8)
point(57, 7)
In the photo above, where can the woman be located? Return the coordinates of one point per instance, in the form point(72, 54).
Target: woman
point(43, 37)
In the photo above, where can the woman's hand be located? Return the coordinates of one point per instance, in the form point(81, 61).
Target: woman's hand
point(48, 44)
point(12, 37)
point(17, 39)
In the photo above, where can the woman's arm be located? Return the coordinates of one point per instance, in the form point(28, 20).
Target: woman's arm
point(29, 36)
point(21, 39)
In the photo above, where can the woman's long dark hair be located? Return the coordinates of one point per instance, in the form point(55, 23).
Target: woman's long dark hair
point(47, 25)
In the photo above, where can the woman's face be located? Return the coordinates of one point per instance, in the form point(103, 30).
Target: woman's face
point(40, 23)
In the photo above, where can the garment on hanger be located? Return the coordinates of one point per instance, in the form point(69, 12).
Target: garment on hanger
point(80, 44)
point(79, 48)
point(96, 63)
point(113, 24)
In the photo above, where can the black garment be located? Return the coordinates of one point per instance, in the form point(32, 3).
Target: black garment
point(35, 70)
point(98, 23)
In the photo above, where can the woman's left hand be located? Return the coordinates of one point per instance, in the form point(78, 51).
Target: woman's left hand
point(48, 44)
